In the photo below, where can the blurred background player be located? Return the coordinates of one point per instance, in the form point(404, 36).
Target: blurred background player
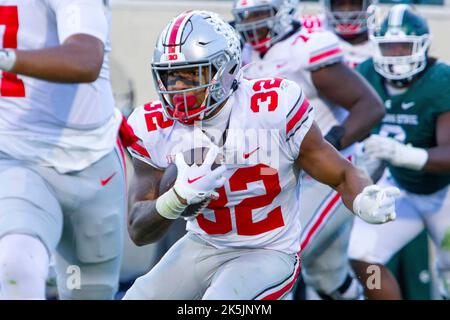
point(349, 20)
point(245, 243)
point(414, 138)
point(64, 186)
point(346, 110)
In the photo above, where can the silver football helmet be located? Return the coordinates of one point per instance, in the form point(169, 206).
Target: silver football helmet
point(196, 40)
point(348, 18)
point(262, 23)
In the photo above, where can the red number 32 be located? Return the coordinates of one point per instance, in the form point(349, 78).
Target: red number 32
point(264, 95)
point(10, 84)
point(245, 225)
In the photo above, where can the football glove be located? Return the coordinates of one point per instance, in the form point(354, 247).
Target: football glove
point(197, 182)
point(396, 153)
point(7, 59)
point(376, 205)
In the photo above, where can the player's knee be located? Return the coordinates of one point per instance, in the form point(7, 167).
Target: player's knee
point(22, 257)
point(13, 270)
point(89, 292)
point(24, 265)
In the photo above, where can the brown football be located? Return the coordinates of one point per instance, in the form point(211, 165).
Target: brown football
point(196, 155)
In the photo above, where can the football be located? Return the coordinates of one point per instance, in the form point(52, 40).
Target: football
point(196, 155)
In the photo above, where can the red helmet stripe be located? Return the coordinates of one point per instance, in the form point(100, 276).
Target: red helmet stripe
point(176, 31)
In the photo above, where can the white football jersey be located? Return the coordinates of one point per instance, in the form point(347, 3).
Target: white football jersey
point(353, 54)
point(258, 206)
point(294, 58)
point(46, 117)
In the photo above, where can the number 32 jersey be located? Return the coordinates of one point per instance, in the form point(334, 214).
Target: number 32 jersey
point(257, 207)
point(294, 58)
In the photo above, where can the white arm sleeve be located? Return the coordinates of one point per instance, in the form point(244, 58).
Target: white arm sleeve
point(81, 16)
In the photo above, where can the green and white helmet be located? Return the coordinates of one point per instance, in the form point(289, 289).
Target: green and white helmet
point(401, 44)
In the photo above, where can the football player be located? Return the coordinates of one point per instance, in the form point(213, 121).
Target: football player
point(346, 110)
point(244, 241)
point(348, 19)
point(414, 138)
point(63, 187)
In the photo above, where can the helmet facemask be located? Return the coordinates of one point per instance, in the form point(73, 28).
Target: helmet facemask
point(191, 91)
point(349, 17)
point(400, 57)
point(263, 23)
point(401, 42)
point(257, 26)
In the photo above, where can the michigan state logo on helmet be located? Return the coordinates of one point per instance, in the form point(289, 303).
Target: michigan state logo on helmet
point(262, 23)
point(401, 45)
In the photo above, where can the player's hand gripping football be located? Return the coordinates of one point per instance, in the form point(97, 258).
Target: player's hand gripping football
point(376, 205)
point(198, 182)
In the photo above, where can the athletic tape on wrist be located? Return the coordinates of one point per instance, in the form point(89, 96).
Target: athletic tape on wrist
point(169, 206)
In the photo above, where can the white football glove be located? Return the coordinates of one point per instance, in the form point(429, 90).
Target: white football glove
point(7, 59)
point(196, 183)
point(396, 153)
point(375, 205)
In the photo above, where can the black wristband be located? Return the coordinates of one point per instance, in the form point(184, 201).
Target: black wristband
point(335, 135)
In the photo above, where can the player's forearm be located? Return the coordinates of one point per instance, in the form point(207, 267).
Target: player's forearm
point(344, 87)
point(438, 159)
point(363, 116)
point(353, 182)
point(69, 63)
point(145, 224)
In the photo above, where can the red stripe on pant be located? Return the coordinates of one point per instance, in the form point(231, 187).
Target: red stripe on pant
point(124, 163)
point(278, 294)
point(319, 221)
point(324, 213)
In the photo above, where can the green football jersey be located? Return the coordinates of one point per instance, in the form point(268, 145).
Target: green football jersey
point(411, 118)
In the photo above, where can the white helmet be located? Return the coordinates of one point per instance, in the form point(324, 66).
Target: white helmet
point(203, 40)
point(275, 21)
point(404, 29)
